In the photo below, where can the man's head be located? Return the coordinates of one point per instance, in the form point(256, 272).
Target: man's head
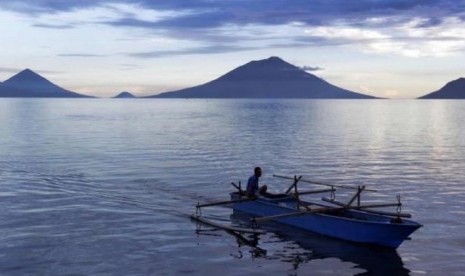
point(258, 171)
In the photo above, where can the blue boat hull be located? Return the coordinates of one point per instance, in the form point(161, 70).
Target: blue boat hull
point(350, 225)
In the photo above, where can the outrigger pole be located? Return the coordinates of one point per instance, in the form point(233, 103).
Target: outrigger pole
point(231, 229)
point(390, 214)
point(321, 210)
point(324, 184)
point(227, 227)
point(223, 202)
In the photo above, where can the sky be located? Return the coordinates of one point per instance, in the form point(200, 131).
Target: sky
point(396, 49)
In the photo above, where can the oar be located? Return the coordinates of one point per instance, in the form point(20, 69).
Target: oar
point(324, 184)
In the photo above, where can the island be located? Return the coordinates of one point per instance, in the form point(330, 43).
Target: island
point(452, 90)
point(266, 78)
point(124, 95)
point(29, 84)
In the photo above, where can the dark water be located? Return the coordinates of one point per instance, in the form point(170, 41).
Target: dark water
point(93, 186)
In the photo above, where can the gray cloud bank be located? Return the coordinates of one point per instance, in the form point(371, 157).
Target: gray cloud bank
point(211, 14)
point(215, 23)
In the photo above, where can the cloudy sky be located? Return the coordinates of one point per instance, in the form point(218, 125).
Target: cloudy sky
point(395, 48)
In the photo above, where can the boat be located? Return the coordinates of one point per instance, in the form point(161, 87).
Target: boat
point(374, 259)
point(351, 221)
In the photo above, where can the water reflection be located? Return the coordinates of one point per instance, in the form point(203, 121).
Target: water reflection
point(297, 247)
point(249, 243)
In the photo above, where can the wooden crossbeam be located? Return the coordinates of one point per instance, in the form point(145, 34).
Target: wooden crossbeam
point(238, 187)
point(357, 195)
point(296, 180)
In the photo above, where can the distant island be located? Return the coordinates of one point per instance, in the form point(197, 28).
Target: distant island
point(124, 95)
point(27, 83)
point(266, 78)
point(452, 90)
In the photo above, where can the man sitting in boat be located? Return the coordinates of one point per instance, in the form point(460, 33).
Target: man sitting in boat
point(252, 184)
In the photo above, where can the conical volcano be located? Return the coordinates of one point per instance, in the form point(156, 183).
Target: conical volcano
point(267, 78)
point(27, 83)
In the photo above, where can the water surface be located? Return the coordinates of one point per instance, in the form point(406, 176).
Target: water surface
point(105, 186)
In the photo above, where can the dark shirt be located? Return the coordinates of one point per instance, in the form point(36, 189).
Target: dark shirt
point(252, 185)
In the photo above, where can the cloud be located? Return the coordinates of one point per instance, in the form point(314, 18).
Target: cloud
point(9, 70)
point(391, 93)
point(49, 6)
point(405, 27)
point(80, 55)
point(129, 66)
point(53, 26)
point(311, 68)
point(211, 14)
point(382, 27)
point(214, 49)
point(203, 14)
point(442, 38)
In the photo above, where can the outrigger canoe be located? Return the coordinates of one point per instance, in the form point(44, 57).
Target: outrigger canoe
point(351, 222)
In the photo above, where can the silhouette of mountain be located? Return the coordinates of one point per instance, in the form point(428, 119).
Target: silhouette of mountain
point(452, 90)
point(124, 95)
point(27, 83)
point(267, 78)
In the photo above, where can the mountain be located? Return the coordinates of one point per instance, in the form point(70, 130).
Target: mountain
point(452, 90)
point(27, 83)
point(267, 78)
point(124, 95)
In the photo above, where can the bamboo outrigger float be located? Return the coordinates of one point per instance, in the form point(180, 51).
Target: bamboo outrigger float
point(349, 221)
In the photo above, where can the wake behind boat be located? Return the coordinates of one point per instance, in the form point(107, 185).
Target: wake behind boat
point(350, 221)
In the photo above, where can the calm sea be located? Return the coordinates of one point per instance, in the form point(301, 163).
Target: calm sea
point(105, 186)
